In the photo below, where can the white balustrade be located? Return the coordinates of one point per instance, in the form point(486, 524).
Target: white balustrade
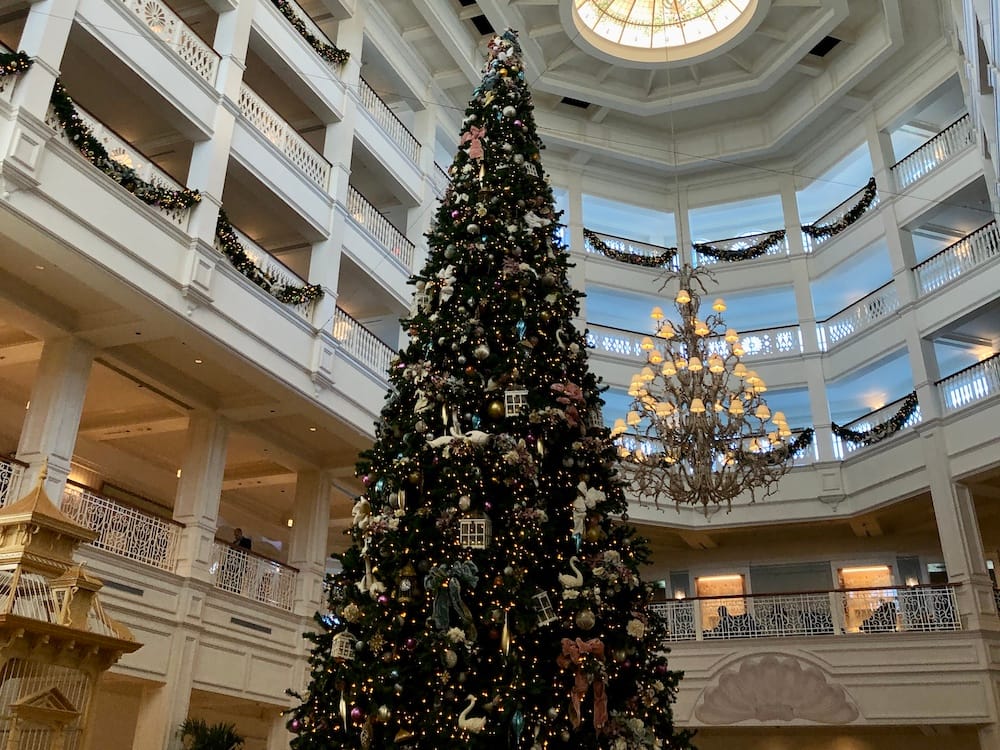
point(122, 530)
point(855, 318)
point(283, 137)
point(276, 271)
point(735, 244)
point(125, 154)
point(958, 259)
point(315, 30)
point(240, 572)
point(760, 344)
point(842, 448)
point(439, 178)
point(834, 215)
point(388, 120)
point(10, 480)
point(177, 35)
point(362, 344)
point(894, 609)
point(632, 247)
point(379, 227)
point(937, 151)
point(971, 385)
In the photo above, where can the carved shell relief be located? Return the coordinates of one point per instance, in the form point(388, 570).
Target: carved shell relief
point(773, 688)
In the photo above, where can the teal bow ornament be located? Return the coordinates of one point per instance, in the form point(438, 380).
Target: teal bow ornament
point(445, 581)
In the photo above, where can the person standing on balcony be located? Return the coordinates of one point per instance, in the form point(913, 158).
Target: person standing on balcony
point(240, 541)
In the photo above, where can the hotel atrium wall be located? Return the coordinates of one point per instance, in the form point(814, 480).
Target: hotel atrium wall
point(174, 400)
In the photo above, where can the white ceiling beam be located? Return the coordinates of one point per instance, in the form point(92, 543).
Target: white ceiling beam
point(544, 31)
point(417, 34)
point(796, 3)
point(18, 354)
point(453, 35)
point(564, 57)
point(746, 67)
point(241, 480)
point(525, 3)
point(809, 68)
point(599, 114)
point(152, 420)
point(769, 31)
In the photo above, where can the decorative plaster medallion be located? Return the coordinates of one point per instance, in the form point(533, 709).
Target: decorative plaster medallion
point(774, 688)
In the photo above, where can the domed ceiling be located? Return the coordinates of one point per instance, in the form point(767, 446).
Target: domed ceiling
point(682, 84)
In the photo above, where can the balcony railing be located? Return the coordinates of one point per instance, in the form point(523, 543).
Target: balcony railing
point(312, 29)
point(275, 270)
point(362, 344)
point(841, 448)
point(270, 124)
point(177, 35)
point(855, 318)
point(758, 344)
point(241, 572)
point(894, 609)
point(11, 471)
point(971, 385)
point(440, 179)
point(632, 247)
point(379, 227)
point(388, 121)
point(123, 530)
point(124, 153)
point(958, 259)
point(835, 214)
point(734, 244)
point(938, 150)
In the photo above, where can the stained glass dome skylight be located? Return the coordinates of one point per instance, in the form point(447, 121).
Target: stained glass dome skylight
point(659, 24)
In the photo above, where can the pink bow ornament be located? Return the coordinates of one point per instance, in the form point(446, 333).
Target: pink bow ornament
point(473, 136)
point(573, 653)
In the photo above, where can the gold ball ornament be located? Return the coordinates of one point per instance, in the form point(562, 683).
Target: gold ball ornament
point(585, 619)
point(495, 409)
point(414, 477)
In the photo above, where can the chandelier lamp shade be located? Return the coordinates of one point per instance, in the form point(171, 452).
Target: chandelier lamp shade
point(699, 431)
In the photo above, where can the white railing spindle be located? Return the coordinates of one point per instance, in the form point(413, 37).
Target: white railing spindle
point(240, 572)
point(760, 344)
point(362, 344)
point(855, 318)
point(388, 121)
point(958, 259)
point(284, 138)
point(938, 150)
point(177, 35)
point(123, 531)
point(971, 385)
point(379, 227)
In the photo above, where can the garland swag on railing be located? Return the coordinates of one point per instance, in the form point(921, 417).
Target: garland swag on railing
point(746, 253)
point(882, 430)
point(822, 231)
point(233, 249)
point(802, 441)
point(328, 52)
point(649, 261)
point(14, 62)
point(94, 151)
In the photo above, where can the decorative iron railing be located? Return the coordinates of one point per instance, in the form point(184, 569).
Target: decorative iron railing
point(867, 421)
point(11, 471)
point(388, 120)
point(126, 154)
point(171, 29)
point(275, 269)
point(857, 317)
point(958, 259)
point(123, 530)
point(379, 227)
point(894, 609)
point(971, 385)
point(284, 138)
point(834, 215)
point(632, 247)
point(241, 572)
point(937, 151)
point(759, 344)
point(735, 244)
point(362, 344)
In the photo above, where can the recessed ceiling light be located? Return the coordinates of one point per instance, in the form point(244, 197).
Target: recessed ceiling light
point(197, 361)
point(312, 429)
point(39, 268)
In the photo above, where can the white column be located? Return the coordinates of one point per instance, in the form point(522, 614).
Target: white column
point(198, 493)
point(53, 417)
point(44, 38)
point(278, 738)
point(162, 708)
point(682, 225)
point(574, 220)
point(307, 547)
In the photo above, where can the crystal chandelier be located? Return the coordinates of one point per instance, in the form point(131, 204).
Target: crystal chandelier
point(699, 431)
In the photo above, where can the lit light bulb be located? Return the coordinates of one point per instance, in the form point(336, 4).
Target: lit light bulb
point(762, 412)
point(680, 363)
point(619, 428)
point(683, 297)
point(668, 369)
point(647, 374)
point(655, 357)
point(779, 417)
point(647, 344)
point(633, 418)
point(657, 313)
point(740, 370)
point(715, 364)
point(738, 350)
point(731, 336)
point(735, 407)
point(719, 305)
point(754, 446)
point(666, 331)
point(697, 406)
point(700, 327)
point(694, 365)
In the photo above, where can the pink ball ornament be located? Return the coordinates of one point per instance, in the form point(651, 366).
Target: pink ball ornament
point(411, 644)
point(295, 725)
point(356, 714)
point(383, 599)
point(518, 123)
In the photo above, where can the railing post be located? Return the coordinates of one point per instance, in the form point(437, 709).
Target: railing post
point(837, 611)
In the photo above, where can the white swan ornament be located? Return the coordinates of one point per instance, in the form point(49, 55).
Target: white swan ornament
point(572, 581)
point(476, 725)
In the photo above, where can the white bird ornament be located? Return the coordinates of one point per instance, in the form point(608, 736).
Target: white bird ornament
point(476, 725)
point(572, 581)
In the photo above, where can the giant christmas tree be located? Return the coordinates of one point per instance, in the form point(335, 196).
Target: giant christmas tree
point(491, 598)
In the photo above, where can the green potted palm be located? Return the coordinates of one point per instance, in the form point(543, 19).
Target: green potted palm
point(197, 734)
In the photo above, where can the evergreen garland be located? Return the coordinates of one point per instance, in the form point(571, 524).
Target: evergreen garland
point(756, 250)
point(232, 248)
point(93, 150)
point(822, 231)
point(331, 53)
point(882, 430)
point(647, 261)
point(14, 62)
